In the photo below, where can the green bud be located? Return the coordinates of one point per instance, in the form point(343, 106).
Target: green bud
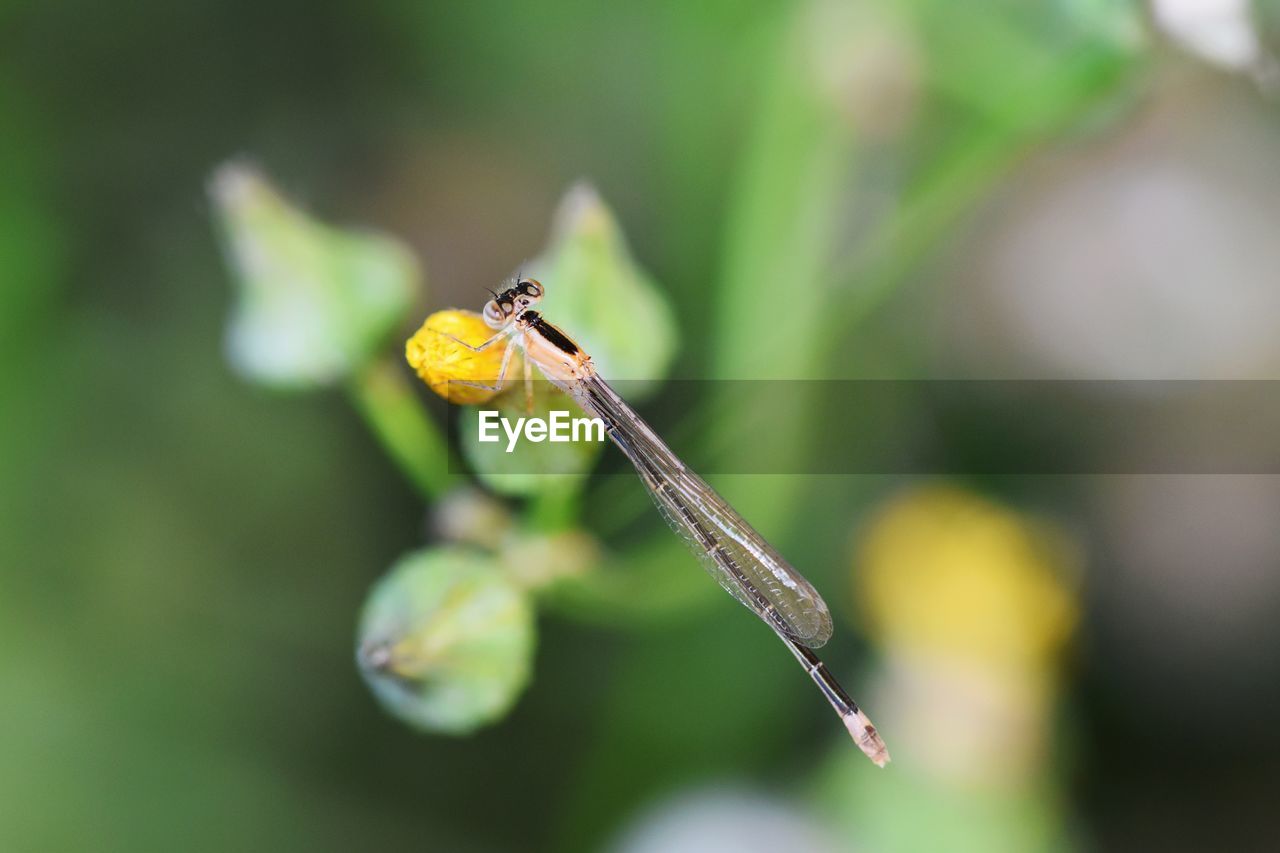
point(599, 295)
point(446, 640)
point(313, 303)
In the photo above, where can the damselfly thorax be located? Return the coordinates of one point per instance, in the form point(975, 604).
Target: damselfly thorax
point(560, 359)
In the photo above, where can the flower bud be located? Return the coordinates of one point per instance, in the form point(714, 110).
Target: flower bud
point(598, 293)
point(446, 640)
point(447, 366)
point(314, 303)
point(943, 571)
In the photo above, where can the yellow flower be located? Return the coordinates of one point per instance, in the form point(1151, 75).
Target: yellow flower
point(444, 364)
point(944, 571)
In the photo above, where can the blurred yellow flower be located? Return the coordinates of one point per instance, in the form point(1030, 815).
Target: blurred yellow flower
point(444, 364)
point(946, 572)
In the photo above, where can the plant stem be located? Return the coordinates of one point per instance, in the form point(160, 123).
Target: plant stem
point(555, 508)
point(965, 173)
point(385, 399)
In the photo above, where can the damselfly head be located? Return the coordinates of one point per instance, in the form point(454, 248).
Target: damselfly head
point(499, 310)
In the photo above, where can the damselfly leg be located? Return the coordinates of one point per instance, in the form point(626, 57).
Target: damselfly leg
point(512, 345)
point(473, 347)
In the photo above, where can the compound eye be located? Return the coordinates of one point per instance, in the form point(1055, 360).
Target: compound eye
point(493, 314)
point(531, 288)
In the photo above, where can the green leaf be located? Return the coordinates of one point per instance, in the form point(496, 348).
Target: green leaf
point(446, 640)
point(314, 303)
point(599, 295)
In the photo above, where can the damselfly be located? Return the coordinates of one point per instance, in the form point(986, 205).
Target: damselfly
point(726, 545)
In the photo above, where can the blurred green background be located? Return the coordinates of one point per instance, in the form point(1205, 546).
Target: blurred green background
point(819, 190)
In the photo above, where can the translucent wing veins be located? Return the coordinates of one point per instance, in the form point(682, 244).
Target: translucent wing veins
point(726, 545)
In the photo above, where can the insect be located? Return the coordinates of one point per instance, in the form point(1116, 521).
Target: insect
point(727, 546)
